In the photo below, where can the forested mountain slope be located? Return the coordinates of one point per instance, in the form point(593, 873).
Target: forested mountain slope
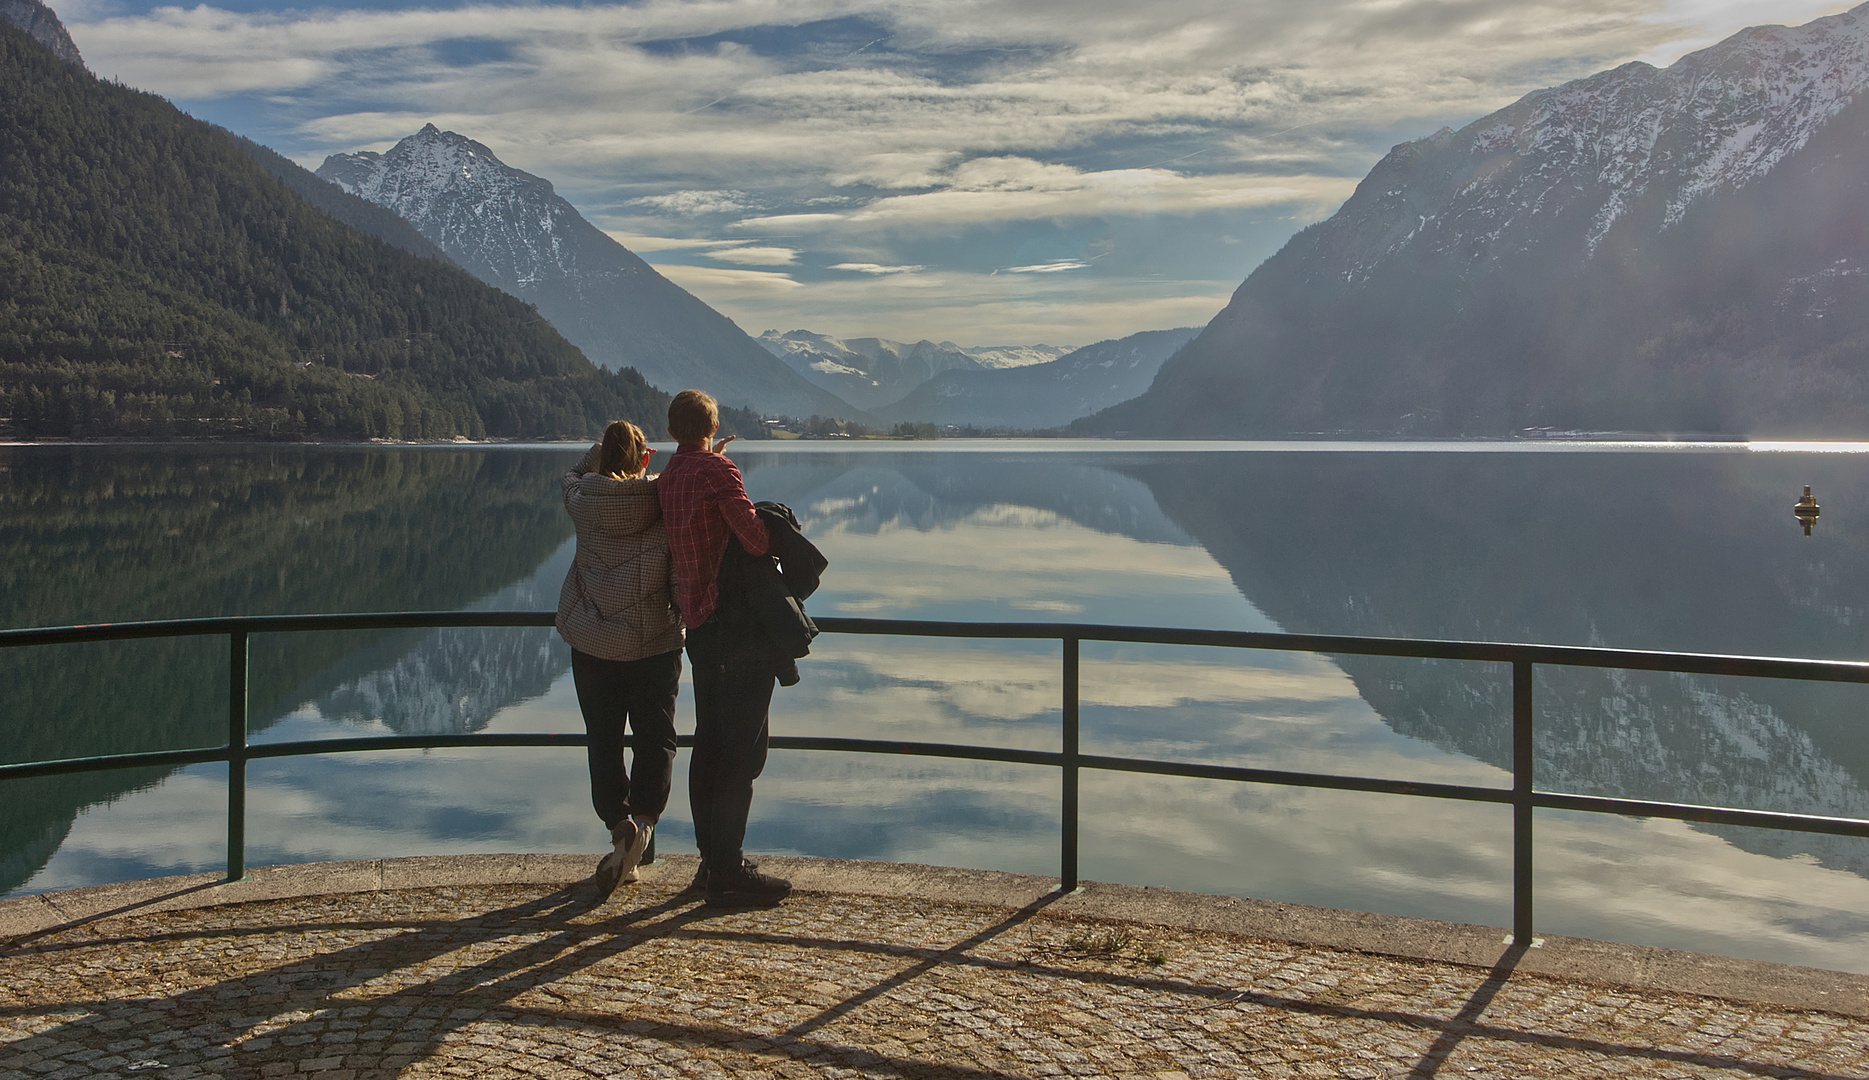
point(155, 281)
point(360, 214)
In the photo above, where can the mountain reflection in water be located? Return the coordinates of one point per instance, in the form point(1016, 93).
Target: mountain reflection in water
point(1689, 550)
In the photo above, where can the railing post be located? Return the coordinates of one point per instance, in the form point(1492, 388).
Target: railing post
point(237, 755)
point(1067, 855)
point(1522, 803)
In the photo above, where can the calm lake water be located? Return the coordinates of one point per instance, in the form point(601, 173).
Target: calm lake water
point(1683, 548)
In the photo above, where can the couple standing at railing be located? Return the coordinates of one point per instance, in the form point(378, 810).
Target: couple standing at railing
point(655, 554)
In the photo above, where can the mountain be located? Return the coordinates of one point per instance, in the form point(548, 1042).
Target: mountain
point(188, 531)
point(1678, 249)
point(1569, 549)
point(366, 217)
point(867, 372)
point(155, 281)
point(1012, 356)
point(511, 230)
point(872, 372)
point(40, 21)
point(1043, 395)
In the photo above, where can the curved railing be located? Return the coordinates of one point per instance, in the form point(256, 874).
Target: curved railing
point(1522, 796)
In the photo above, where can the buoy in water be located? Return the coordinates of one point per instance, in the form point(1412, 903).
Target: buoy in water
point(1805, 510)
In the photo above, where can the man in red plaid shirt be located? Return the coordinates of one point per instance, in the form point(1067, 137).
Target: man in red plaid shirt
point(703, 502)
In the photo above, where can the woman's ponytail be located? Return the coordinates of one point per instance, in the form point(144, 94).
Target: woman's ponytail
point(622, 451)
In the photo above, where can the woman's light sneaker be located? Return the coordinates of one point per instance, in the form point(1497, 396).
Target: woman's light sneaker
point(627, 841)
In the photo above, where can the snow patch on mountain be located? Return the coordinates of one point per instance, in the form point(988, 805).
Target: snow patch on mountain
point(1630, 148)
point(1013, 356)
point(456, 192)
point(1718, 118)
point(872, 372)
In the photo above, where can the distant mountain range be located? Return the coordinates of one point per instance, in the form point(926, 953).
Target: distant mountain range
point(1046, 395)
point(872, 372)
point(512, 230)
point(1682, 249)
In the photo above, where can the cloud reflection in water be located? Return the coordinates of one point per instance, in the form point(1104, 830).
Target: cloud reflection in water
point(1091, 546)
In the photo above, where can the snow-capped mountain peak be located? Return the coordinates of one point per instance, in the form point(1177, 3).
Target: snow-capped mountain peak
point(1643, 249)
point(511, 230)
point(1630, 149)
point(507, 223)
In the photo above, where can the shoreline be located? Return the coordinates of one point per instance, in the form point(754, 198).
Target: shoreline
point(1616, 438)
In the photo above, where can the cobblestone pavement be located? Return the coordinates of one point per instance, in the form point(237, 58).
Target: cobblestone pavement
point(522, 981)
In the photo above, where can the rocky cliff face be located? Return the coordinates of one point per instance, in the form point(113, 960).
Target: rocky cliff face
point(510, 229)
point(1676, 249)
point(40, 21)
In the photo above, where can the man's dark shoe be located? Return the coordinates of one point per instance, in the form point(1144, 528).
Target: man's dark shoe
point(748, 888)
point(697, 886)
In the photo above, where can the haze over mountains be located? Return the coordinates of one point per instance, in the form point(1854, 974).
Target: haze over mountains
point(871, 372)
point(1679, 249)
point(1047, 395)
point(512, 230)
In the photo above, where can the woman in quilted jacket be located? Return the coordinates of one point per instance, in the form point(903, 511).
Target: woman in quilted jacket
point(617, 612)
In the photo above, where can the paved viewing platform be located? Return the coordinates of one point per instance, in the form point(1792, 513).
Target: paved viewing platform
point(492, 966)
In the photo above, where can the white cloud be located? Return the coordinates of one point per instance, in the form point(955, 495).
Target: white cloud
point(975, 116)
point(1047, 268)
point(950, 305)
point(898, 169)
point(640, 242)
point(756, 256)
point(874, 268)
point(694, 203)
point(719, 280)
point(789, 223)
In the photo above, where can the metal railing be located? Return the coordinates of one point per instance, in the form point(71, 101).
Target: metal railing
point(1522, 796)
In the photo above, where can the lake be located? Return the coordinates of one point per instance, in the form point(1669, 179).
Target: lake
point(1654, 546)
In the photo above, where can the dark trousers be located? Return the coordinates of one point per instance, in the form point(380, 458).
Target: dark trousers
point(640, 695)
point(732, 694)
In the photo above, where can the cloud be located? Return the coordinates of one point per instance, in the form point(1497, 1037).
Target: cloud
point(971, 308)
point(874, 268)
point(724, 281)
point(1047, 268)
point(987, 191)
point(640, 242)
point(789, 223)
point(971, 120)
point(696, 203)
point(898, 169)
point(756, 256)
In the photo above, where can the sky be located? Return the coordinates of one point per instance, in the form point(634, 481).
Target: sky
point(987, 172)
